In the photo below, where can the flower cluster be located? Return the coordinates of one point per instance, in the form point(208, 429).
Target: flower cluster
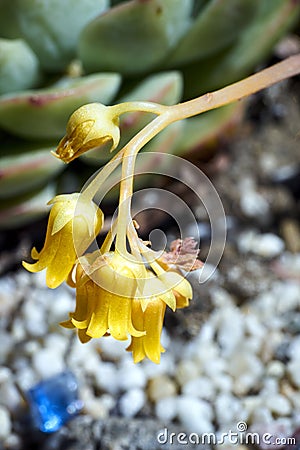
point(119, 293)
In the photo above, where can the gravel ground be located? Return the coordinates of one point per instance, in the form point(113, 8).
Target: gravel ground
point(233, 357)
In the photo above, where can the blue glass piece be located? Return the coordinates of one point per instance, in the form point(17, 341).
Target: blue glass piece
point(54, 401)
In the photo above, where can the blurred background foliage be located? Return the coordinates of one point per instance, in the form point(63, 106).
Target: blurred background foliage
point(58, 55)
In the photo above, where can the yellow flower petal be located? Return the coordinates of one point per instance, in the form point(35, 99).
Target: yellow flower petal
point(153, 322)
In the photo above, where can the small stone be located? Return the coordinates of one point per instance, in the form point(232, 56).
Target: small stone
point(160, 387)
point(96, 407)
point(131, 376)
point(262, 415)
point(186, 371)
point(253, 204)
point(222, 382)
point(266, 245)
point(166, 409)
point(48, 362)
point(64, 303)
point(106, 378)
point(132, 402)
point(230, 330)
point(13, 442)
point(291, 234)
point(195, 415)
point(228, 409)
point(278, 404)
point(34, 318)
point(294, 349)
point(201, 387)
point(293, 370)
point(112, 349)
point(5, 423)
point(246, 369)
point(275, 369)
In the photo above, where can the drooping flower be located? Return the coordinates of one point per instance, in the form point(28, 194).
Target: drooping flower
point(89, 126)
point(73, 224)
point(148, 312)
point(105, 288)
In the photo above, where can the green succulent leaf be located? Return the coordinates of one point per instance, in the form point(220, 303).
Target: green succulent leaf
point(135, 36)
point(43, 114)
point(25, 167)
point(217, 26)
point(52, 27)
point(19, 67)
point(25, 209)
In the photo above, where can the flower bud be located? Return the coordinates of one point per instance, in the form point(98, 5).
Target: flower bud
point(89, 127)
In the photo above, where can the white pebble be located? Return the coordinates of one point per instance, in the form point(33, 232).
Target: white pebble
point(186, 370)
point(246, 369)
point(253, 204)
point(293, 369)
point(230, 330)
point(160, 387)
point(97, 407)
point(112, 349)
point(35, 318)
point(262, 415)
point(132, 402)
point(5, 423)
point(228, 409)
point(9, 394)
point(57, 341)
point(13, 442)
point(278, 404)
point(266, 245)
point(131, 376)
point(294, 349)
point(222, 382)
point(201, 387)
point(48, 362)
point(106, 378)
point(166, 409)
point(196, 415)
point(61, 305)
point(275, 369)
point(26, 377)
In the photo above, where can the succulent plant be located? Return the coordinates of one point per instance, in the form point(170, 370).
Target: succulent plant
point(58, 55)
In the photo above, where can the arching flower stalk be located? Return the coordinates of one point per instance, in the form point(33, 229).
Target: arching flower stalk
point(123, 291)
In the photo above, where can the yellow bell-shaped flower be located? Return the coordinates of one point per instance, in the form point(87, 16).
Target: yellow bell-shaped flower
point(89, 126)
point(148, 312)
point(73, 224)
point(104, 297)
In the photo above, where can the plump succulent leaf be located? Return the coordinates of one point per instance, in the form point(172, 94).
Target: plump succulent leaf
point(19, 67)
point(26, 208)
point(43, 114)
point(217, 26)
point(26, 167)
point(52, 27)
point(271, 21)
point(135, 36)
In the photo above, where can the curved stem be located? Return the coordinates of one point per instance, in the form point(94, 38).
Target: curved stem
point(128, 107)
point(126, 188)
point(236, 91)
